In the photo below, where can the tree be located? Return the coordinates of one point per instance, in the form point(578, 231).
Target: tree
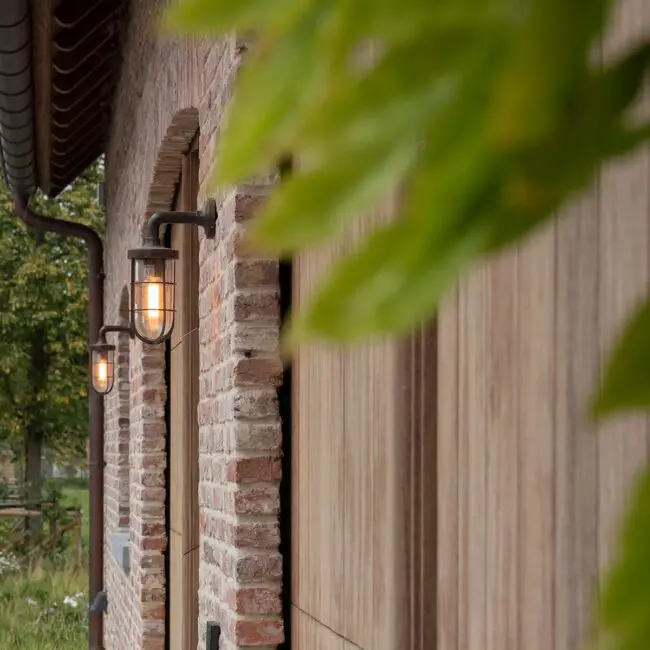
point(44, 328)
point(488, 114)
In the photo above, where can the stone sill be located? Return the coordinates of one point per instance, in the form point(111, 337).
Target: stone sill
point(120, 547)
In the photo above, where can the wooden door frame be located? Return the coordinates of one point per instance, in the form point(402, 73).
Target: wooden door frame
point(183, 389)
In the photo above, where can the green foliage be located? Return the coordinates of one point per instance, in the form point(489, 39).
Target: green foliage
point(627, 379)
point(463, 106)
point(625, 604)
point(43, 321)
point(486, 116)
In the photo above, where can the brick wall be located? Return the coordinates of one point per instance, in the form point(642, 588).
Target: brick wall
point(117, 481)
point(169, 88)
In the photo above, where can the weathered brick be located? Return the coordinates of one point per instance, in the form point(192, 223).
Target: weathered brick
point(257, 500)
point(247, 205)
point(257, 600)
point(254, 469)
point(255, 273)
point(255, 404)
point(257, 568)
point(239, 368)
point(255, 371)
point(256, 306)
point(258, 632)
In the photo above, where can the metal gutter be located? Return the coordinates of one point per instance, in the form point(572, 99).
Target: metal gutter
point(18, 166)
point(16, 97)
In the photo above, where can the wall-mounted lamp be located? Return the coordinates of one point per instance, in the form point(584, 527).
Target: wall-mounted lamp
point(103, 359)
point(153, 280)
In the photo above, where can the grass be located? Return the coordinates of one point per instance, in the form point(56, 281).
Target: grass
point(79, 497)
point(34, 613)
point(34, 616)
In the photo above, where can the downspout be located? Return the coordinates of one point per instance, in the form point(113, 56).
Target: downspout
point(96, 402)
point(18, 166)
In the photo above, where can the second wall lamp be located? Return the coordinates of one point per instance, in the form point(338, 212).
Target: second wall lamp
point(103, 359)
point(153, 282)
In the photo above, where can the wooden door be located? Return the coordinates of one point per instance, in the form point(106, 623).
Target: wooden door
point(363, 478)
point(184, 432)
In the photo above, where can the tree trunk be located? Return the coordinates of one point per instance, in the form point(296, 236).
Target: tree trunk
point(33, 454)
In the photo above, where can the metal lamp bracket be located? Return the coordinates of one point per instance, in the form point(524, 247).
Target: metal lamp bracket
point(205, 218)
point(105, 329)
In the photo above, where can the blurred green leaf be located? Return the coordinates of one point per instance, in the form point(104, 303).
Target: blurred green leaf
point(626, 383)
point(385, 287)
point(625, 599)
point(332, 192)
point(271, 94)
point(486, 128)
point(218, 16)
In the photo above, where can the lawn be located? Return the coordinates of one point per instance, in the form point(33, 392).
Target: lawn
point(79, 496)
point(47, 609)
point(44, 611)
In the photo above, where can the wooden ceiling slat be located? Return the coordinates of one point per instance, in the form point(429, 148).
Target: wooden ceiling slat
point(87, 94)
point(77, 57)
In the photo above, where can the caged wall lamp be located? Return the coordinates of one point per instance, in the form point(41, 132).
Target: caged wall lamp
point(153, 281)
point(103, 359)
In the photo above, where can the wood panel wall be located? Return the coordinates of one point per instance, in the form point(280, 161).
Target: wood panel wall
point(363, 487)
point(450, 491)
point(531, 491)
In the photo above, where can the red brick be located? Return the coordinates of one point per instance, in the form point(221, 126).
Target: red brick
point(247, 206)
point(258, 632)
point(254, 469)
point(255, 534)
point(258, 600)
point(258, 500)
point(257, 306)
point(154, 543)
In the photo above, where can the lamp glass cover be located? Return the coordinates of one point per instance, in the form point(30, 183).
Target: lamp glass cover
point(103, 369)
point(153, 298)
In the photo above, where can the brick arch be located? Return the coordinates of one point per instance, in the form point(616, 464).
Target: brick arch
point(167, 168)
point(149, 490)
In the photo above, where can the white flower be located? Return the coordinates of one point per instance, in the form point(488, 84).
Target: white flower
point(70, 601)
point(31, 601)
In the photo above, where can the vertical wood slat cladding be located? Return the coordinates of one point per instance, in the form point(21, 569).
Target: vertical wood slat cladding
point(527, 492)
point(532, 490)
point(184, 514)
point(364, 485)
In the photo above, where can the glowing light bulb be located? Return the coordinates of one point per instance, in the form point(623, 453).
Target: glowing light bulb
point(152, 287)
point(101, 376)
point(154, 303)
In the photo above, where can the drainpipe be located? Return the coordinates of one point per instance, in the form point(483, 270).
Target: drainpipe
point(96, 402)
